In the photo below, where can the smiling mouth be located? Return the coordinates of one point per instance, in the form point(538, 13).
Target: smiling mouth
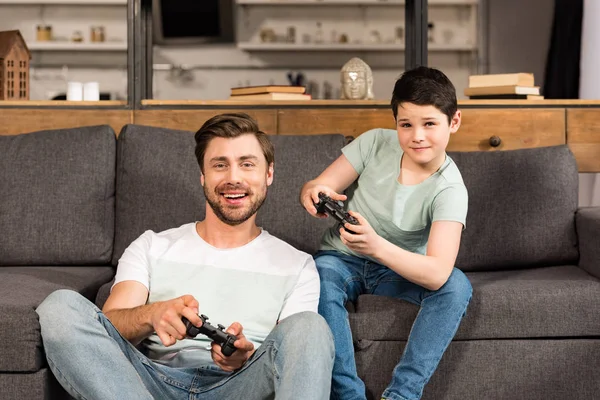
point(234, 196)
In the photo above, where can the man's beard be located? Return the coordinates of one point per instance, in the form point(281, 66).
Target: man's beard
point(234, 216)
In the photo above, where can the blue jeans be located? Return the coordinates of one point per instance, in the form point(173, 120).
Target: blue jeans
point(344, 278)
point(92, 360)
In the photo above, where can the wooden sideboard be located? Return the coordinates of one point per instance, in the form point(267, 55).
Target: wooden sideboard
point(486, 125)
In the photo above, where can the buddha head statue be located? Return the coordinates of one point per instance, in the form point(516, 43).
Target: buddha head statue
point(357, 80)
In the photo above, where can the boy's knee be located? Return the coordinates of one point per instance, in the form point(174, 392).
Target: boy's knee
point(331, 270)
point(459, 286)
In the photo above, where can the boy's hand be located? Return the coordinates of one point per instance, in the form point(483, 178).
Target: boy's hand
point(244, 351)
point(364, 240)
point(310, 196)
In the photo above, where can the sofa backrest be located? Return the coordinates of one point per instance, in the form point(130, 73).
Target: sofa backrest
point(57, 193)
point(158, 184)
point(522, 207)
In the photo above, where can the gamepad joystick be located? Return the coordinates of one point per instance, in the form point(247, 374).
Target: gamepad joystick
point(218, 334)
point(327, 205)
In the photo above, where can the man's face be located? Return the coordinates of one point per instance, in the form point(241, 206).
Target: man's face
point(424, 132)
point(235, 179)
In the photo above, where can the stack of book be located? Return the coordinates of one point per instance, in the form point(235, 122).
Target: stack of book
point(269, 92)
point(503, 86)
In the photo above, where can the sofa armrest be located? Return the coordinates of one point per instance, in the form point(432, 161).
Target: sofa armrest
point(587, 222)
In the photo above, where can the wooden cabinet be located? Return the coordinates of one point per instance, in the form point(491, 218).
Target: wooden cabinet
point(509, 129)
point(491, 127)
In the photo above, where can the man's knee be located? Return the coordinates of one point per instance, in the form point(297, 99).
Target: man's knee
point(305, 330)
point(60, 310)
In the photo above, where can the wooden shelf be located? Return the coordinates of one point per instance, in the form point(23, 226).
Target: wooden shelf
point(65, 2)
point(350, 2)
point(250, 46)
point(363, 103)
point(308, 103)
point(62, 103)
point(75, 46)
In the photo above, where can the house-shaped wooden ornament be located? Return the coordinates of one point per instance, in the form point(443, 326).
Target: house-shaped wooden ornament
point(14, 66)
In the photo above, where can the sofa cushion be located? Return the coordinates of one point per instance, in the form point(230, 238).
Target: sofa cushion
point(23, 289)
point(298, 159)
point(559, 301)
point(57, 192)
point(40, 385)
point(158, 184)
point(554, 369)
point(522, 207)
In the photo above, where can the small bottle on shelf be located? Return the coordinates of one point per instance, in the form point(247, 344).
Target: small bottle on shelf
point(319, 33)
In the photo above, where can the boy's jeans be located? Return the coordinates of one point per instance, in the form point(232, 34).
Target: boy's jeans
point(92, 361)
point(344, 278)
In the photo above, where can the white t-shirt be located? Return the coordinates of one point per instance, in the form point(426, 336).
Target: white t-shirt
point(257, 285)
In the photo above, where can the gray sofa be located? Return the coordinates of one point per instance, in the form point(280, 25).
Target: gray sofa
point(71, 201)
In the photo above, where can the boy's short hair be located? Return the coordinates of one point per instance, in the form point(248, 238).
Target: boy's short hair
point(425, 86)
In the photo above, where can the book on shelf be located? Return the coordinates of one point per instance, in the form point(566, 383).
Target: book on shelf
point(490, 80)
point(497, 90)
point(272, 96)
point(508, 97)
point(238, 91)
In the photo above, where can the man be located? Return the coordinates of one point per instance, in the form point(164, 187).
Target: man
point(225, 267)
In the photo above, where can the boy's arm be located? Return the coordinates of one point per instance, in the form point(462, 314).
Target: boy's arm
point(431, 270)
point(334, 180)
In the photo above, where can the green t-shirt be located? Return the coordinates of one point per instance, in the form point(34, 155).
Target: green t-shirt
point(399, 213)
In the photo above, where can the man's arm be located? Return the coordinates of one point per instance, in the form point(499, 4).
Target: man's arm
point(430, 271)
point(305, 294)
point(127, 310)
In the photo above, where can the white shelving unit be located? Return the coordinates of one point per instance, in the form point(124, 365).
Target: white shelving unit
point(64, 2)
point(344, 47)
point(67, 17)
point(349, 2)
point(366, 26)
point(321, 34)
point(75, 46)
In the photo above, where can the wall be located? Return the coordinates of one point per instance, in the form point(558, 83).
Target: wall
point(519, 36)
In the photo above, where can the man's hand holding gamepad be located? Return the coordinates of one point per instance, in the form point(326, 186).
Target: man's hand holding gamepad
point(309, 196)
point(166, 318)
point(244, 351)
point(364, 240)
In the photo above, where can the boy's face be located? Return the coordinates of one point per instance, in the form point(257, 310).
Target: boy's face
point(424, 132)
point(235, 179)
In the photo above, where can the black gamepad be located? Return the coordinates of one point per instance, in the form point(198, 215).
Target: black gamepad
point(327, 205)
point(218, 334)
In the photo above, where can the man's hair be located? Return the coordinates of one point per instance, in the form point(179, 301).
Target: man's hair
point(231, 126)
point(425, 86)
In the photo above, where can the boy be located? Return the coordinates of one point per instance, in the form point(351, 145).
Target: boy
point(411, 204)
